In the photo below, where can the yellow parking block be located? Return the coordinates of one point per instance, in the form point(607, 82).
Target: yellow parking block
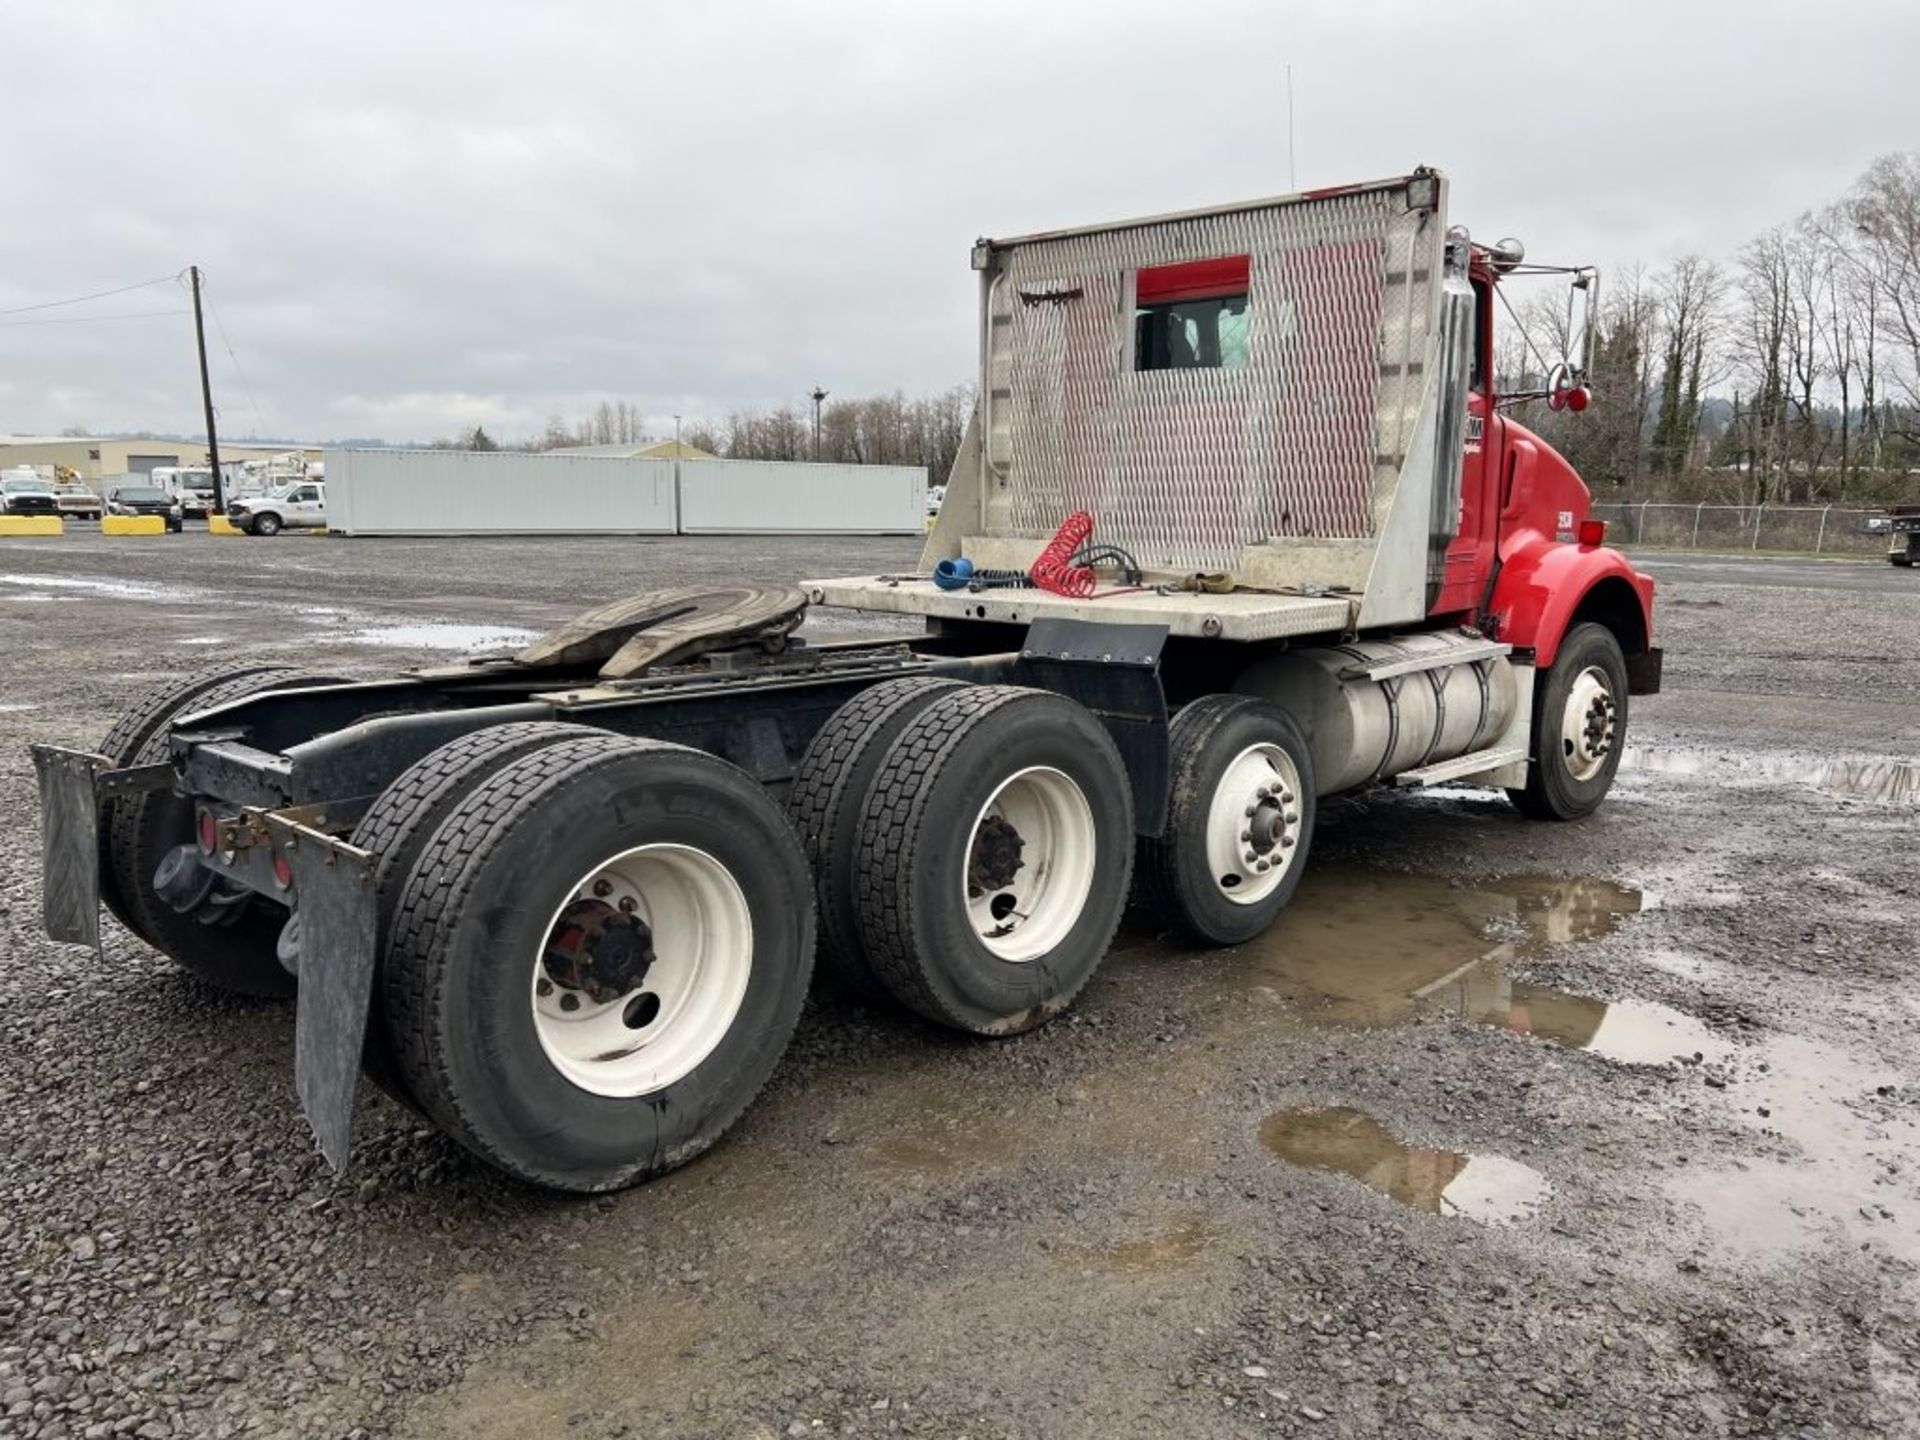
point(221, 525)
point(132, 525)
point(31, 525)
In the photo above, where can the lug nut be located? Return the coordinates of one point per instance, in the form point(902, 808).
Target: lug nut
point(1246, 834)
point(1293, 817)
point(628, 905)
point(543, 986)
point(602, 888)
point(570, 1001)
point(1287, 841)
point(1249, 811)
point(1263, 866)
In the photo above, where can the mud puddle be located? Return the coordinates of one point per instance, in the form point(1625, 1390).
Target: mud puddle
point(1369, 947)
point(1886, 782)
point(1168, 1249)
point(1840, 1161)
point(1490, 1189)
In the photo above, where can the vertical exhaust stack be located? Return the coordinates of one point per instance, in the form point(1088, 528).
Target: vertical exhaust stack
point(1454, 351)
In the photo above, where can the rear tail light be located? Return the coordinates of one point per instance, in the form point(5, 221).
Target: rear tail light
point(1593, 532)
point(282, 871)
point(207, 832)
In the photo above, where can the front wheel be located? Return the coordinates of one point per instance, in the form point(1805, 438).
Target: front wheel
point(1579, 727)
point(265, 523)
point(598, 960)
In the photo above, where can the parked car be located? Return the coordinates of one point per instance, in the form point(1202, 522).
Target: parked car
point(73, 498)
point(299, 506)
point(27, 495)
point(192, 487)
point(144, 500)
point(936, 497)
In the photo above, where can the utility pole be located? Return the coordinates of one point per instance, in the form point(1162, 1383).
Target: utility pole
point(818, 396)
point(206, 399)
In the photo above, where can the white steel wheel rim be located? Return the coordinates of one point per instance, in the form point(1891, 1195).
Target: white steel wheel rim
point(702, 937)
point(1253, 824)
point(1023, 915)
point(1588, 725)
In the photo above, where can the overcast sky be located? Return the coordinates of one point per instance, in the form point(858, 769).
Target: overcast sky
point(418, 218)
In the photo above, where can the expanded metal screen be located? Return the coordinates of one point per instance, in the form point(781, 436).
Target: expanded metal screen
point(1302, 434)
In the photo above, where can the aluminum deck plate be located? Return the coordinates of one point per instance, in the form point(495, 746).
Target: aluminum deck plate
point(1240, 615)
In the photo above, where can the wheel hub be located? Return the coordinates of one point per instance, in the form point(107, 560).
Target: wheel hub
point(1268, 825)
point(1591, 724)
point(994, 858)
point(1253, 823)
point(599, 949)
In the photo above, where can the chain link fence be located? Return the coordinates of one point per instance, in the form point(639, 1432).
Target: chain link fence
point(1811, 529)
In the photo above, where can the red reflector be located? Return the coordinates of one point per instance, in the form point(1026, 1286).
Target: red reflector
point(207, 832)
point(1577, 398)
point(1593, 532)
point(282, 871)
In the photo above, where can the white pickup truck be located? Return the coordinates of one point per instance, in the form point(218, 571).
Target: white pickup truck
point(299, 506)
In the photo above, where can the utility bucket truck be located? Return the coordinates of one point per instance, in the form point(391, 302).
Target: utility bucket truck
point(1238, 524)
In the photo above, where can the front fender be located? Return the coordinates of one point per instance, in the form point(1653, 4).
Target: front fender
point(1544, 584)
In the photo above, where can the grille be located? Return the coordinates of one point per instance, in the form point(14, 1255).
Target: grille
point(1187, 468)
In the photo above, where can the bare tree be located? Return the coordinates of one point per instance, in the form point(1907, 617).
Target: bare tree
point(1688, 297)
point(1885, 209)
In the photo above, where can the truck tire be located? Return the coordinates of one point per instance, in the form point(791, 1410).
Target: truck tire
point(148, 715)
point(237, 950)
point(265, 523)
point(587, 892)
point(995, 848)
point(403, 818)
point(1240, 815)
point(1579, 727)
point(828, 794)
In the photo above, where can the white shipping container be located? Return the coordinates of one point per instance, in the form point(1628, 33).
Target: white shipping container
point(775, 497)
point(481, 492)
point(465, 492)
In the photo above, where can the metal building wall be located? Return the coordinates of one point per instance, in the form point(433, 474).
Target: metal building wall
point(774, 497)
point(461, 492)
point(467, 492)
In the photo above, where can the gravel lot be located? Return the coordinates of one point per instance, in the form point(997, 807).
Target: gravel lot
point(1420, 1162)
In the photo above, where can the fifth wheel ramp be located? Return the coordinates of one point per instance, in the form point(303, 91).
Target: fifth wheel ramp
point(665, 627)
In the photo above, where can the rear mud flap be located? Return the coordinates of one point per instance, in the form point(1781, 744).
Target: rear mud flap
point(334, 885)
point(69, 842)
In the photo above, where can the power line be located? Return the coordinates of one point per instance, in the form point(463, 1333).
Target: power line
point(90, 319)
point(82, 299)
point(259, 421)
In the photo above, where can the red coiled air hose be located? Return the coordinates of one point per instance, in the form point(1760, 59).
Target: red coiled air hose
point(1055, 570)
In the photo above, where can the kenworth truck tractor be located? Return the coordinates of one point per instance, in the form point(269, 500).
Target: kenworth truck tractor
point(1238, 524)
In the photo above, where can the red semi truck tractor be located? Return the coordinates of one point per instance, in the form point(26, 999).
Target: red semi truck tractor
point(1238, 523)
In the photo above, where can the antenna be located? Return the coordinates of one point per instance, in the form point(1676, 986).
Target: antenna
point(1293, 180)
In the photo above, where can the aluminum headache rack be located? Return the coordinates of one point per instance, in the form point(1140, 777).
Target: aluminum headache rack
point(1272, 391)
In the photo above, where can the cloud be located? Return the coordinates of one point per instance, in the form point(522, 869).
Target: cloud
point(418, 219)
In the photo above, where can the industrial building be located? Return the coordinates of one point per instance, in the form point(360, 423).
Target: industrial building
point(506, 492)
point(94, 457)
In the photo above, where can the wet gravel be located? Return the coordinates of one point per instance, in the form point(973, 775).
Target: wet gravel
point(1079, 1232)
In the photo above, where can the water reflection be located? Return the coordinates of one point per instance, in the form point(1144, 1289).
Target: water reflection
point(1491, 1189)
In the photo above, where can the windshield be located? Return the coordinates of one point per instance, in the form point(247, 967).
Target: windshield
point(141, 492)
point(196, 482)
point(29, 487)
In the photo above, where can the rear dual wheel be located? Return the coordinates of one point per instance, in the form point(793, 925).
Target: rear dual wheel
point(995, 846)
point(596, 960)
point(228, 937)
